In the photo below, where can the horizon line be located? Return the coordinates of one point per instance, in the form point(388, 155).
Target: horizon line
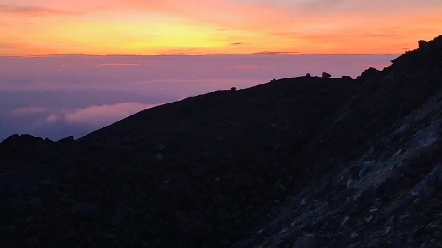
point(191, 54)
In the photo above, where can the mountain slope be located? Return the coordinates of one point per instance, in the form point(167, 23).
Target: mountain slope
point(202, 170)
point(377, 166)
point(263, 167)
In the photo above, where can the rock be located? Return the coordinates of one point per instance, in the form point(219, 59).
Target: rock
point(377, 242)
point(85, 210)
point(159, 147)
point(366, 167)
point(368, 196)
point(346, 218)
point(351, 184)
point(423, 44)
point(326, 75)
point(417, 202)
point(429, 184)
point(159, 157)
point(306, 241)
point(373, 210)
point(354, 235)
point(369, 164)
point(391, 221)
point(344, 195)
point(362, 173)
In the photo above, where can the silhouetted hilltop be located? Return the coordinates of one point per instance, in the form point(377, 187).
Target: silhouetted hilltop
point(428, 54)
point(297, 162)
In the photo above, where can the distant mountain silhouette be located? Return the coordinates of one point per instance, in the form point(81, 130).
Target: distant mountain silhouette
point(296, 162)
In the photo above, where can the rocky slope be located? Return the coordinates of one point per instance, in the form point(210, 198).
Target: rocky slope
point(296, 162)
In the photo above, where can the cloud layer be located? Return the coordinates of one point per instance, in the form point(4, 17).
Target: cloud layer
point(58, 96)
point(101, 115)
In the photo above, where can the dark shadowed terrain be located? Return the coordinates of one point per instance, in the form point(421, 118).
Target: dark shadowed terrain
point(297, 162)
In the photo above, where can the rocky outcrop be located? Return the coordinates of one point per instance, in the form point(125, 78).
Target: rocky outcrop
point(326, 75)
point(370, 73)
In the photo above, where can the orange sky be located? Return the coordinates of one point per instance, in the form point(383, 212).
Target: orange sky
point(215, 26)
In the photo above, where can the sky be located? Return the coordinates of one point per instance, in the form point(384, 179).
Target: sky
point(71, 67)
point(153, 27)
point(58, 96)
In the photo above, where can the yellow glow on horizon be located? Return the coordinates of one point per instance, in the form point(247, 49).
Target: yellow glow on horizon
point(121, 38)
point(196, 27)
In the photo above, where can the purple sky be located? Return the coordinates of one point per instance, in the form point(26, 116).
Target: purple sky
point(73, 95)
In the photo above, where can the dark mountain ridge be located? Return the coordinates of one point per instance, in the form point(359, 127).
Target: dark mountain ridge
point(296, 162)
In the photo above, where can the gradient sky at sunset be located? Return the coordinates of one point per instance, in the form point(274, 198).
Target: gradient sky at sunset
point(215, 26)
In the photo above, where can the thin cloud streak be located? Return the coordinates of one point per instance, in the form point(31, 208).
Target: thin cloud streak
point(99, 115)
point(34, 10)
point(29, 110)
point(117, 64)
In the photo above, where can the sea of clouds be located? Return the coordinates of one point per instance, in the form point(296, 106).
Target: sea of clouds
point(58, 96)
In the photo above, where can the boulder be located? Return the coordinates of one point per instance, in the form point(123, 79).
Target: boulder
point(326, 75)
point(423, 44)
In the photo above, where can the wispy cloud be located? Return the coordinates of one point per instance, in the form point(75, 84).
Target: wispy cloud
point(99, 115)
point(251, 67)
point(33, 10)
point(94, 115)
point(52, 119)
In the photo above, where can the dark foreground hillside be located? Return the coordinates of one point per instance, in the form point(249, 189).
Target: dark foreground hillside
point(298, 162)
